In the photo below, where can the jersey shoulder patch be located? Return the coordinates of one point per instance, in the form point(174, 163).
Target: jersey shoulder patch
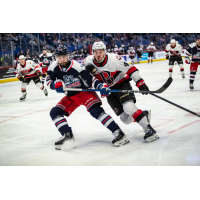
point(76, 65)
point(192, 45)
point(88, 60)
point(53, 65)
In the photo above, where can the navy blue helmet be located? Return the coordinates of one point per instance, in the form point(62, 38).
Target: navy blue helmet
point(61, 50)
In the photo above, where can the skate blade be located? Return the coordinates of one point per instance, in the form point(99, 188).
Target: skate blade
point(22, 100)
point(121, 142)
point(152, 138)
point(69, 144)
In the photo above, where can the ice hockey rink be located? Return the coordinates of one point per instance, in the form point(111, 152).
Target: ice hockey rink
point(27, 133)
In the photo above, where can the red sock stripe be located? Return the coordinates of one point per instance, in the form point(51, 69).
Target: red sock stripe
point(60, 122)
point(182, 69)
point(106, 119)
point(170, 70)
point(136, 114)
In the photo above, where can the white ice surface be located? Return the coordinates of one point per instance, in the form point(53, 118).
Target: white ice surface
point(27, 134)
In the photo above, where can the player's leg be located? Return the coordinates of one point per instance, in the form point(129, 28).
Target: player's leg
point(44, 71)
point(38, 83)
point(128, 102)
point(149, 57)
point(93, 104)
point(171, 65)
point(193, 71)
point(64, 108)
point(180, 63)
point(25, 82)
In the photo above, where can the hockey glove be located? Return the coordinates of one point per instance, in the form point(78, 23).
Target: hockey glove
point(187, 60)
point(167, 57)
point(20, 78)
point(91, 69)
point(104, 90)
point(142, 86)
point(59, 86)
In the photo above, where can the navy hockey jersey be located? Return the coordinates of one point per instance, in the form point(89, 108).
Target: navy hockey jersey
point(194, 51)
point(74, 76)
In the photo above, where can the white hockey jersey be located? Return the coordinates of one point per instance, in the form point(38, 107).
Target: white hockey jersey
point(151, 48)
point(173, 51)
point(116, 50)
point(113, 70)
point(131, 52)
point(30, 69)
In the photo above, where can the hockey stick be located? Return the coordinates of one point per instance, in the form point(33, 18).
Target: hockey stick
point(176, 105)
point(162, 89)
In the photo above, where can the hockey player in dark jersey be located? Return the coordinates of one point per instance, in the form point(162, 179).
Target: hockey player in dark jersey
point(72, 75)
point(117, 73)
point(194, 51)
point(45, 59)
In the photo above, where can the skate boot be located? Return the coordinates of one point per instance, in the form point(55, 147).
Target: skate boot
point(191, 87)
point(148, 61)
point(23, 97)
point(147, 113)
point(132, 62)
point(183, 75)
point(150, 134)
point(65, 142)
point(151, 61)
point(45, 92)
point(120, 138)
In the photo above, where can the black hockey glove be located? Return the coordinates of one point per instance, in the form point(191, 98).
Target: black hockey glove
point(142, 86)
point(91, 69)
point(20, 78)
point(167, 57)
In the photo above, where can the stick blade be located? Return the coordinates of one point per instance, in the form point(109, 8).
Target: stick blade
point(164, 87)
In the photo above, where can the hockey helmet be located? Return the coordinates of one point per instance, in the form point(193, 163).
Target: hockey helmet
point(116, 46)
point(61, 50)
point(98, 45)
point(22, 57)
point(173, 41)
point(151, 43)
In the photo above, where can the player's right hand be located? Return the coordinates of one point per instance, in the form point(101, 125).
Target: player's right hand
point(167, 57)
point(59, 86)
point(187, 60)
point(91, 69)
point(104, 89)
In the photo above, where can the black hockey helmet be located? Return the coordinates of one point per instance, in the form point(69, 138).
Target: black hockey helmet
point(61, 50)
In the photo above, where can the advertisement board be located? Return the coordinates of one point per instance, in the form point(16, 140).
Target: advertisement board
point(7, 72)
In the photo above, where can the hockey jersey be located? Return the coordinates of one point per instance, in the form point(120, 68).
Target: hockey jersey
point(113, 70)
point(151, 48)
point(131, 52)
point(45, 59)
point(30, 69)
point(194, 51)
point(173, 51)
point(74, 76)
point(116, 50)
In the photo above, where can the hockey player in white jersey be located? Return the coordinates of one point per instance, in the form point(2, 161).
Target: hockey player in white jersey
point(151, 49)
point(131, 53)
point(26, 71)
point(45, 60)
point(116, 49)
point(173, 53)
point(116, 73)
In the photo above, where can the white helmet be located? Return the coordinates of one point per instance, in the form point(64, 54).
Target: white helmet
point(151, 43)
point(98, 45)
point(131, 48)
point(122, 45)
point(176, 42)
point(22, 57)
point(116, 46)
point(173, 41)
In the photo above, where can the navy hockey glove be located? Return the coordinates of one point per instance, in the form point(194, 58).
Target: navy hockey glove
point(91, 69)
point(142, 86)
point(104, 89)
point(59, 87)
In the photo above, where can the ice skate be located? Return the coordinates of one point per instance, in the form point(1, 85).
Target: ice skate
point(132, 62)
point(148, 61)
point(150, 134)
point(183, 75)
point(191, 87)
point(65, 142)
point(23, 97)
point(120, 138)
point(45, 92)
point(148, 115)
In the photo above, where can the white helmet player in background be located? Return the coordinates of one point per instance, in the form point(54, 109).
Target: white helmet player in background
point(151, 43)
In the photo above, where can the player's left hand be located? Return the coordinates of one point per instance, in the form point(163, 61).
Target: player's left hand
point(142, 86)
point(104, 89)
point(59, 86)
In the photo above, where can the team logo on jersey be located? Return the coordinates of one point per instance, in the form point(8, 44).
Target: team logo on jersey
point(107, 78)
point(71, 82)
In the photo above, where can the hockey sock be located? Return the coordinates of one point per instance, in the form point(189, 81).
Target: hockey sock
point(57, 115)
point(39, 85)
point(170, 70)
point(98, 113)
point(43, 78)
point(23, 87)
point(181, 69)
point(192, 77)
point(140, 118)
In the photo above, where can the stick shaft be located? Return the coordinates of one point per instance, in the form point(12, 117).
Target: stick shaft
point(176, 105)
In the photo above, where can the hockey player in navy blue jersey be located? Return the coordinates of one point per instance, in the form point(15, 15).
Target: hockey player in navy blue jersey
point(73, 75)
point(193, 50)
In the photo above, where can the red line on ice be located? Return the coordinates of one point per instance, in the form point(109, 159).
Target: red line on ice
point(169, 120)
point(23, 115)
point(184, 126)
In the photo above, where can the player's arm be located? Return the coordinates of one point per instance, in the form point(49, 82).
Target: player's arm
point(188, 54)
point(51, 78)
point(167, 52)
point(18, 74)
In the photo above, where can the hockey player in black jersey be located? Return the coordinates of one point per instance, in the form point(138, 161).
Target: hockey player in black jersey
point(69, 74)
